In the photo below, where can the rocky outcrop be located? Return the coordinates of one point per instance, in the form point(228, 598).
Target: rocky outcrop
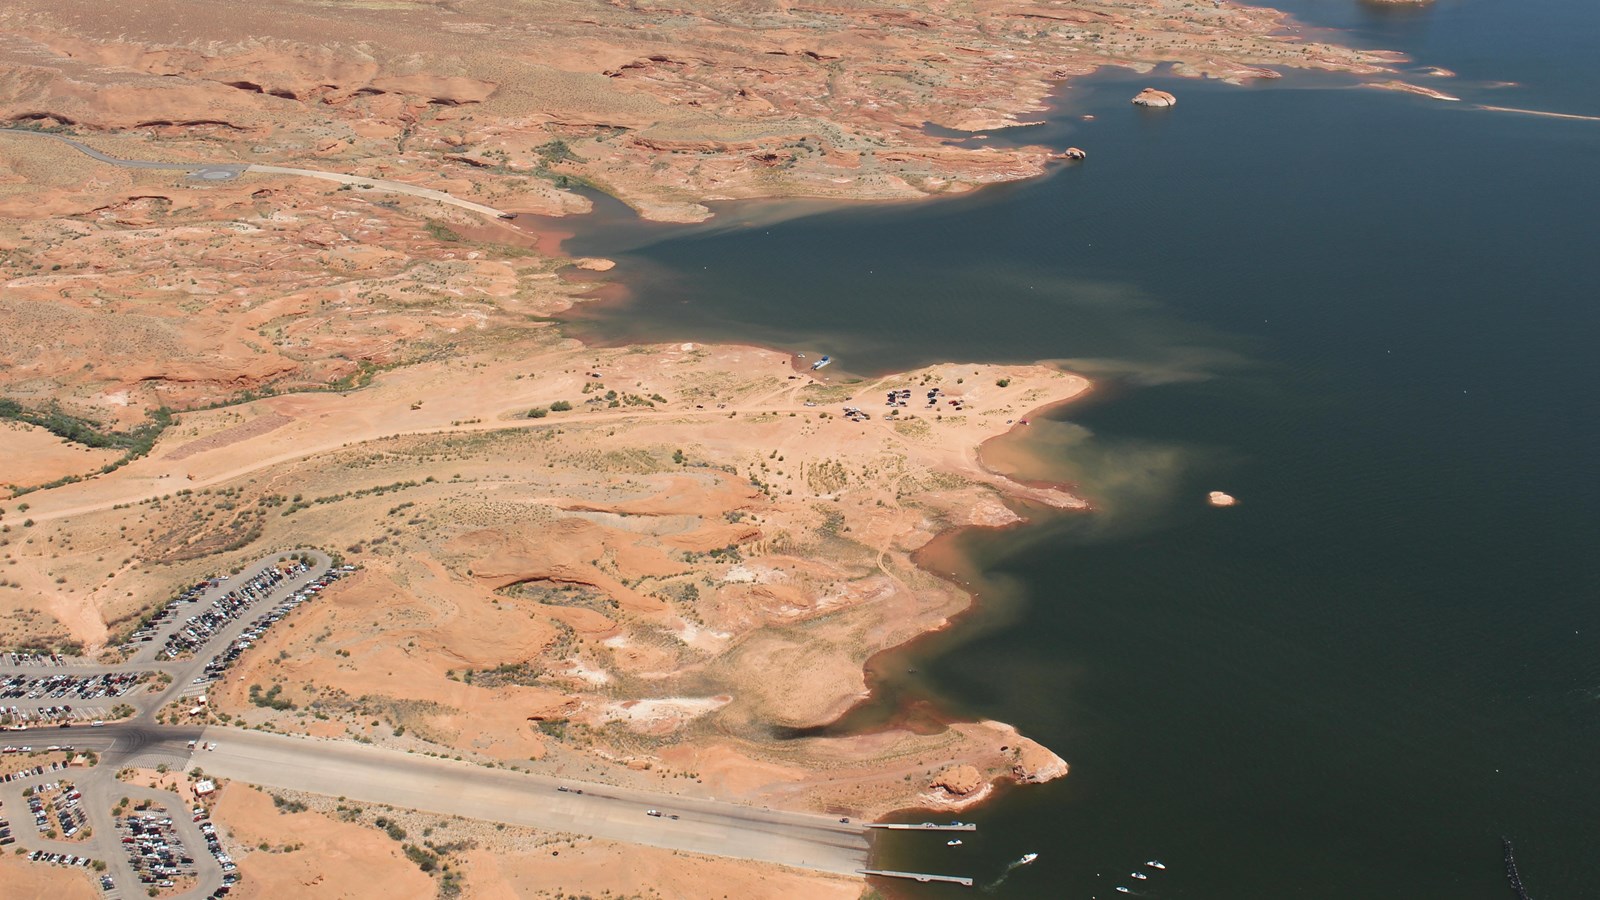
point(1035, 763)
point(959, 781)
point(1155, 99)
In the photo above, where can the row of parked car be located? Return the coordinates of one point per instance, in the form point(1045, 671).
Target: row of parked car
point(230, 874)
point(34, 659)
point(32, 771)
point(61, 685)
point(220, 663)
point(199, 629)
point(5, 827)
point(60, 859)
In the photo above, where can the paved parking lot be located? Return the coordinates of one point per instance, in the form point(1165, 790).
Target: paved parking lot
point(258, 626)
point(45, 700)
point(64, 696)
point(158, 856)
point(190, 620)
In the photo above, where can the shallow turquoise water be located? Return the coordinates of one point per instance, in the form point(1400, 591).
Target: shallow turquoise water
point(1372, 317)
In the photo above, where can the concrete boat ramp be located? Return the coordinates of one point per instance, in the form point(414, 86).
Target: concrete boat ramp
point(922, 826)
point(918, 876)
point(922, 877)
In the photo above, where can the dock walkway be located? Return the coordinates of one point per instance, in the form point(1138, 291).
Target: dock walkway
point(918, 876)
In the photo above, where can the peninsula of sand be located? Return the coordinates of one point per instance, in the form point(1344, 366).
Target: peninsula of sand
point(306, 326)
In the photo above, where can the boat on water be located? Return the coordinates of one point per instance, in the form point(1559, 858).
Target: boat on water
point(1139, 875)
point(821, 362)
point(1123, 890)
point(1155, 864)
point(1027, 858)
point(955, 842)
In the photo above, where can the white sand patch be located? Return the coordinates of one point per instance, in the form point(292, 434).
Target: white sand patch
point(843, 594)
point(695, 635)
point(577, 669)
point(753, 574)
point(660, 713)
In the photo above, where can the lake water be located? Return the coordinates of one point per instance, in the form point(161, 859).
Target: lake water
point(1373, 318)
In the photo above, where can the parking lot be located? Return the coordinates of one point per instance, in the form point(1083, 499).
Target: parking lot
point(155, 851)
point(180, 635)
point(62, 685)
point(64, 697)
point(188, 643)
point(57, 810)
point(219, 663)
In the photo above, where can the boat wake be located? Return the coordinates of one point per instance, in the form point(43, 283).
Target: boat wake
point(1006, 873)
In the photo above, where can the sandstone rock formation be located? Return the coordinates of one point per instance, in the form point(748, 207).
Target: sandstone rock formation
point(959, 781)
point(1036, 764)
point(1156, 99)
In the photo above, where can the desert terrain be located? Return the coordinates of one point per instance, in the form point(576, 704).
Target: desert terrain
point(653, 566)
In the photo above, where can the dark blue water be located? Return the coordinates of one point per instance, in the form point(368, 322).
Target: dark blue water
point(1373, 318)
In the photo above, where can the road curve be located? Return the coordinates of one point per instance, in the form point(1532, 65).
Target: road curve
point(229, 171)
point(91, 152)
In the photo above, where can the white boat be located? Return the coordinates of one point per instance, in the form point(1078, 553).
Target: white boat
point(953, 843)
point(1123, 890)
point(822, 362)
point(1155, 864)
point(1027, 858)
point(1139, 875)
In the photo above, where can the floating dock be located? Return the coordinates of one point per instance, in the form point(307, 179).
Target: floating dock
point(1512, 875)
point(918, 876)
point(923, 826)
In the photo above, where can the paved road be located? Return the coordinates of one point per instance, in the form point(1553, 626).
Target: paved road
point(206, 171)
point(376, 775)
point(230, 171)
point(384, 184)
